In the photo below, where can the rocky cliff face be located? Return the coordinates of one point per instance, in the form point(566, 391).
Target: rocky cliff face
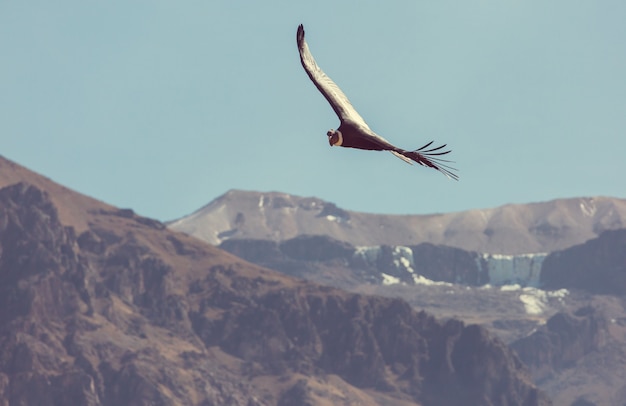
point(597, 266)
point(126, 312)
point(322, 258)
point(326, 260)
point(579, 356)
point(565, 339)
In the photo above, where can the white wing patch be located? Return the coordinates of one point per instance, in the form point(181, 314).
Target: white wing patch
point(337, 99)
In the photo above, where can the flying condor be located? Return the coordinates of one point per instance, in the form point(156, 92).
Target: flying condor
point(353, 131)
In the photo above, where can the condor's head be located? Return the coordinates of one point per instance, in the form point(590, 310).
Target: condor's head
point(334, 138)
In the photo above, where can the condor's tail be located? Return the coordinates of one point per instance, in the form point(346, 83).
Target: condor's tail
point(430, 158)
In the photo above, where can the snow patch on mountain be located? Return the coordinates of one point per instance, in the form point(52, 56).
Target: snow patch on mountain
point(399, 262)
point(535, 300)
point(389, 280)
point(517, 274)
point(588, 207)
point(524, 269)
point(369, 255)
point(420, 280)
point(336, 219)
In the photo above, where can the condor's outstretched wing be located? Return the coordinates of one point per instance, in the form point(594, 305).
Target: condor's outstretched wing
point(362, 136)
point(337, 99)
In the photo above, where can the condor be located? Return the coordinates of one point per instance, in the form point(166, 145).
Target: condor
point(353, 131)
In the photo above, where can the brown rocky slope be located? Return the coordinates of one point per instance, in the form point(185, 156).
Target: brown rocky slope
point(597, 266)
point(127, 312)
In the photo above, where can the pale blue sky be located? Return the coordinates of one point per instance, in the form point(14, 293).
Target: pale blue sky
point(162, 106)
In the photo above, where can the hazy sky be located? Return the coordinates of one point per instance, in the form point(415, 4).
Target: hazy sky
point(162, 106)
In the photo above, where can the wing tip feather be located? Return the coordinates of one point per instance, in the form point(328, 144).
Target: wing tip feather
point(300, 34)
point(431, 158)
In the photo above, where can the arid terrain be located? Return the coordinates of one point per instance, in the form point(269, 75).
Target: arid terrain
point(100, 306)
point(561, 309)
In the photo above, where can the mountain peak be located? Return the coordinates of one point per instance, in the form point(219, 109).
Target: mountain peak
point(74, 208)
point(508, 229)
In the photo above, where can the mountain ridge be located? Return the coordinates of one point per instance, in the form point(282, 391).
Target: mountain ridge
point(74, 208)
point(510, 229)
point(125, 311)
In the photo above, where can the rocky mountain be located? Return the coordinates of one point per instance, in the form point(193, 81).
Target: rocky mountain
point(450, 282)
point(511, 229)
point(563, 340)
point(321, 257)
point(563, 312)
point(99, 306)
point(597, 266)
point(579, 356)
point(74, 209)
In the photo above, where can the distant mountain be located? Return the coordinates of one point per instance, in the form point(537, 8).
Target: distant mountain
point(99, 306)
point(511, 229)
point(450, 282)
point(317, 257)
point(572, 335)
point(598, 266)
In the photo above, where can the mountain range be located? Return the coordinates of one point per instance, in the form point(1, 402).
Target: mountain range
point(100, 306)
point(510, 229)
point(547, 278)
